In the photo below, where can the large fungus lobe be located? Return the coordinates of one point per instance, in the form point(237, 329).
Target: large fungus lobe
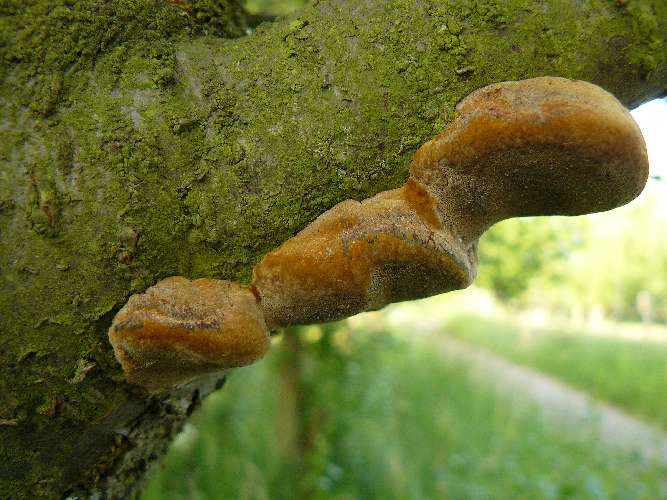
point(543, 146)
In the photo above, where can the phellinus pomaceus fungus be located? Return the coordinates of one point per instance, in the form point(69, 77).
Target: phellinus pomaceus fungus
point(543, 146)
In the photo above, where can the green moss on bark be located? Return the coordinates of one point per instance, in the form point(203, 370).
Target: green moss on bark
point(136, 142)
point(67, 241)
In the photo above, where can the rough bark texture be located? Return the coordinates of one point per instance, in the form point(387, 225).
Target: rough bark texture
point(138, 140)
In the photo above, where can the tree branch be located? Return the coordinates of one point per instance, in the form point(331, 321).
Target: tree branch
point(144, 144)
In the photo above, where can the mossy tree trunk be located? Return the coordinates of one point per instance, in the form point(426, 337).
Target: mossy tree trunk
point(143, 139)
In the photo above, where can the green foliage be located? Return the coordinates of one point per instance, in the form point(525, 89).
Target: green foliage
point(625, 256)
point(615, 262)
point(385, 418)
point(513, 252)
point(630, 374)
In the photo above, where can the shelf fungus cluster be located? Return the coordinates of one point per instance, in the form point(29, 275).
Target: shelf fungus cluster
point(544, 146)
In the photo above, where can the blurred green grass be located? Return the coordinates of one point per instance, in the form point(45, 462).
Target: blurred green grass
point(626, 373)
point(380, 417)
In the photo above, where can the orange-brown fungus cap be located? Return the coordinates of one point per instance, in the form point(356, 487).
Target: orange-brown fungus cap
point(179, 329)
point(543, 146)
point(361, 256)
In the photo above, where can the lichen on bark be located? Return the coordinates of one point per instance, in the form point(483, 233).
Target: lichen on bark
point(140, 140)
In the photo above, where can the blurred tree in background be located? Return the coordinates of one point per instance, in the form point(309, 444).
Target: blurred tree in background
point(513, 252)
point(623, 265)
point(611, 264)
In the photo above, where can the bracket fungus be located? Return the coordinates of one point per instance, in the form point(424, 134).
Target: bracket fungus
point(543, 146)
point(181, 328)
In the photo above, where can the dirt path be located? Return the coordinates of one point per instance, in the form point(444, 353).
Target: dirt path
point(557, 401)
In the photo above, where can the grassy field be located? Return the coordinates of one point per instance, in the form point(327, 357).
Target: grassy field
point(371, 416)
point(628, 374)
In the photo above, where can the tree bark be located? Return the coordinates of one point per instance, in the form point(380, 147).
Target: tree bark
point(144, 139)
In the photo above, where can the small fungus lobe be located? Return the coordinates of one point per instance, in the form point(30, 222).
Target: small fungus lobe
point(543, 146)
point(182, 328)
